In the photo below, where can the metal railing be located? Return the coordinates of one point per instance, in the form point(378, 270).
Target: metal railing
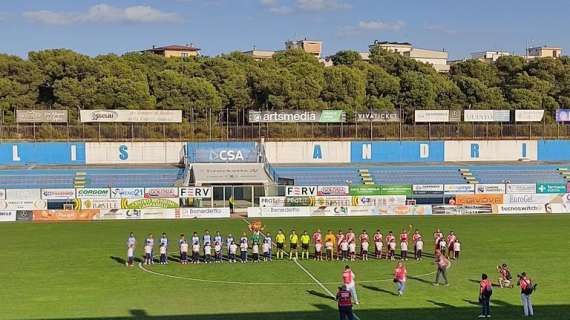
point(204, 131)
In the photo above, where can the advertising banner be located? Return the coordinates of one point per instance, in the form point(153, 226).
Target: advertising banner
point(166, 192)
point(41, 116)
point(378, 201)
point(23, 204)
point(333, 191)
point(24, 215)
point(157, 116)
point(290, 201)
point(333, 201)
point(58, 194)
point(427, 188)
point(191, 213)
point(489, 188)
point(65, 215)
point(486, 115)
point(478, 199)
point(533, 198)
point(451, 189)
point(563, 115)
point(153, 214)
point(103, 204)
point(558, 208)
point(93, 193)
point(269, 212)
point(271, 201)
point(7, 216)
point(521, 188)
point(127, 193)
point(365, 190)
point(519, 208)
point(292, 116)
point(378, 116)
point(301, 190)
point(119, 214)
point(222, 152)
point(396, 189)
point(150, 203)
point(460, 210)
point(2, 194)
point(551, 188)
point(23, 194)
point(196, 192)
point(529, 115)
point(431, 116)
point(419, 210)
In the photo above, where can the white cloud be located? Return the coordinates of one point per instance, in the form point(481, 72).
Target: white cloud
point(321, 5)
point(269, 3)
point(103, 13)
point(371, 26)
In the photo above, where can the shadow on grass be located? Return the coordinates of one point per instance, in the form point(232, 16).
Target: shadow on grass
point(377, 289)
point(420, 280)
point(499, 309)
point(320, 294)
point(122, 261)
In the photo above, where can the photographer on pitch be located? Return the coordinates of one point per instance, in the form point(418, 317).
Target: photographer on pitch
point(485, 292)
point(527, 288)
point(505, 277)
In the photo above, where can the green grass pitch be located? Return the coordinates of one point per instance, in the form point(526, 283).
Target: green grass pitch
point(73, 271)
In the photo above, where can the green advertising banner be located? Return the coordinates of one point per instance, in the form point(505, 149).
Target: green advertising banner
point(332, 116)
point(299, 201)
point(364, 190)
point(396, 190)
point(550, 188)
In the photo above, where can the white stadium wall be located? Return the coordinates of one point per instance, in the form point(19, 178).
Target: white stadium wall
point(495, 150)
point(308, 152)
point(134, 152)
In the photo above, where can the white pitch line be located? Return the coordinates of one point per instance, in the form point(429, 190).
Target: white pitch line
point(320, 284)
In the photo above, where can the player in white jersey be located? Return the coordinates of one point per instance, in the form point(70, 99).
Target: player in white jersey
point(195, 251)
point(149, 241)
point(266, 249)
point(217, 251)
point(319, 250)
point(364, 250)
point(218, 238)
point(162, 251)
point(147, 254)
point(130, 256)
point(378, 244)
point(404, 250)
point(255, 252)
point(456, 249)
point(164, 242)
point(207, 252)
point(243, 249)
point(131, 241)
point(344, 249)
point(195, 239)
point(392, 249)
point(419, 248)
point(232, 251)
point(184, 252)
point(229, 241)
point(206, 238)
point(443, 247)
point(269, 241)
point(352, 250)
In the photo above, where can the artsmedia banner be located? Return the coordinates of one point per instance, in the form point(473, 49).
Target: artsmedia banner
point(377, 116)
point(529, 115)
point(41, 116)
point(487, 115)
point(292, 116)
point(156, 116)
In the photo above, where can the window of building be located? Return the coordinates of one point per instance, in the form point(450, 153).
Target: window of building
point(184, 54)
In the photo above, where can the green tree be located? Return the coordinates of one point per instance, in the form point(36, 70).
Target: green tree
point(346, 58)
point(344, 88)
point(417, 91)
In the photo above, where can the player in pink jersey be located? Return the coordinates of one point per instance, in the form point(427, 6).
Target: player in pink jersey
point(364, 244)
point(339, 239)
point(451, 238)
point(378, 244)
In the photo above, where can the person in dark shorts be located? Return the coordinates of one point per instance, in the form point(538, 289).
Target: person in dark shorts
point(344, 299)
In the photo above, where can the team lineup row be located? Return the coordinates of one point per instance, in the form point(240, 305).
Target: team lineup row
point(340, 246)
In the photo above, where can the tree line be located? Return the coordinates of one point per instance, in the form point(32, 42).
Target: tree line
point(293, 79)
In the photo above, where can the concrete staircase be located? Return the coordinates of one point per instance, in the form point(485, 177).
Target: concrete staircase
point(365, 176)
point(80, 179)
point(468, 176)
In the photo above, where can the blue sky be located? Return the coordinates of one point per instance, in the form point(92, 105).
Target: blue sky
point(458, 26)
